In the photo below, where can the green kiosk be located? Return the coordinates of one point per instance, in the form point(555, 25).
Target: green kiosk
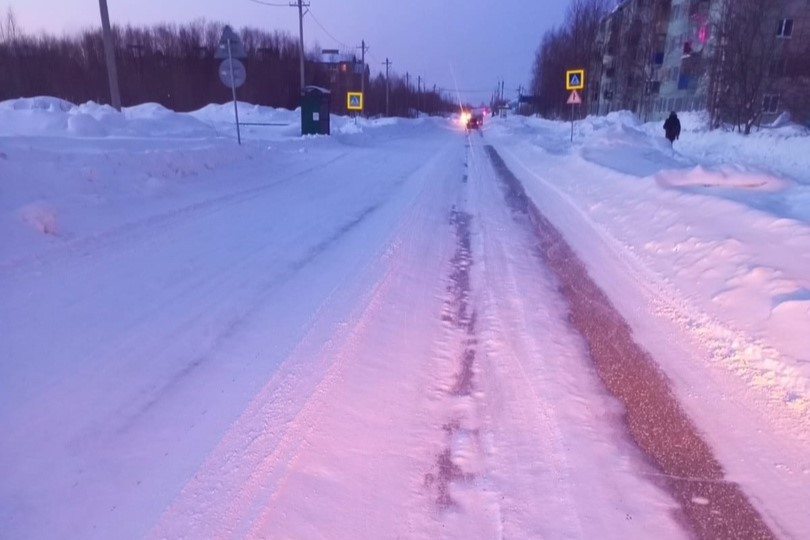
point(315, 110)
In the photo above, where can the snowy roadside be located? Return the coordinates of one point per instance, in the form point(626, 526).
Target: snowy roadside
point(728, 239)
point(709, 261)
point(72, 173)
point(153, 284)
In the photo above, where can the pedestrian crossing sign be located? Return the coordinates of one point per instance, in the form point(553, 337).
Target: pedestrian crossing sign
point(575, 79)
point(354, 101)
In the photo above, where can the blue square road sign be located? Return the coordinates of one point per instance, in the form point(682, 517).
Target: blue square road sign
point(575, 79)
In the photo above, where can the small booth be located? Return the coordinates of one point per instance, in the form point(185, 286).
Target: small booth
point(315, 111)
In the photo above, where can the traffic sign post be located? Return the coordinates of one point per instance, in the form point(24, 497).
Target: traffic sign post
point(574, 81)
point(232, 72)
point(354, 101)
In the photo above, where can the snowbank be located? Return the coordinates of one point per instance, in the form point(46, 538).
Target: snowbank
point(782, 148)
point(718, 225)
point(52, 117)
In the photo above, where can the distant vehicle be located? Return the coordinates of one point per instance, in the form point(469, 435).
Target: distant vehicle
point(475, 120)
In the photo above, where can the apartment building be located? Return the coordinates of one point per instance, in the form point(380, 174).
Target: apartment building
point(682, 73)
point(657, 56)
point(630, 51)
point(790, 68)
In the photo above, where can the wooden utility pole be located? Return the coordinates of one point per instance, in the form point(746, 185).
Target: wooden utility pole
point(408, 94)
point(418, 94)
point(387, 87)
point(109, 54)
point(300, 5)
point(363, 49)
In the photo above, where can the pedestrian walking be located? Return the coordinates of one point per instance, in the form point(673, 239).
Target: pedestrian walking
point(672, 127)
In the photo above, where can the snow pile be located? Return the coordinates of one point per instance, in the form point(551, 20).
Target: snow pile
point(781, 148)
point(51, 117)
point(718, 225)
point(730, 176)
point(219, 114)
point(33, 116)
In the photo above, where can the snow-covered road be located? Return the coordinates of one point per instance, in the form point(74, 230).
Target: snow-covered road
point(453, 402)
point(360, 340)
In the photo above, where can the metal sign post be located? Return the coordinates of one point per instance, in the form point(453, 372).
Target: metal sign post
point(233, 93)
point(232, 72)
point(573, 100)
point(574, 80)
point(354, 102)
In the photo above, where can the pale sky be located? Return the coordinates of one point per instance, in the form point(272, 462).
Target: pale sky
point(464, 44)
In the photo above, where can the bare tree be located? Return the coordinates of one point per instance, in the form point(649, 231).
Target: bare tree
point(745, 52)
point(571, 46)
point(170, 64)
point(9, 29)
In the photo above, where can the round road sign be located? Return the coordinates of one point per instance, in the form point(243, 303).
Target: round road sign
point(235, 67)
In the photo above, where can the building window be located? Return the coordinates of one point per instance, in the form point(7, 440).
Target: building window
point(785, 29)
point(770, 103)
point(687, 48)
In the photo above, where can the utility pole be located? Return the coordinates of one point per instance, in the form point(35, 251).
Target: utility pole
point(300, 4)
point(520, 95)
point(408, 94)
point(363, 49)
point(109, 53)
point(387, 86)
point(418, 95)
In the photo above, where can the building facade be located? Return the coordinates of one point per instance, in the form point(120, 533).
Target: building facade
point(657, 56)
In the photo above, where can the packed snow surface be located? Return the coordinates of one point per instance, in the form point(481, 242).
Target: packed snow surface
point(352, 336)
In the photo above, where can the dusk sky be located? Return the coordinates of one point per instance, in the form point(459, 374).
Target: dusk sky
point(478, 41)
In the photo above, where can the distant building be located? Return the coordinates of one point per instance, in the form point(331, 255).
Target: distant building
point(345, 72)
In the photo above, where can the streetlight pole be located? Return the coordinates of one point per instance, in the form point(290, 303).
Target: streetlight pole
point(109, 53)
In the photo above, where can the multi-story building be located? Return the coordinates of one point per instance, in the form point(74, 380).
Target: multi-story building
point(790, 69)
point(631, 43)
point(657, 56)
point(682, 75)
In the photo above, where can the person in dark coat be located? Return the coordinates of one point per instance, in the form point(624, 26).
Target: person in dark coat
point(672, 127)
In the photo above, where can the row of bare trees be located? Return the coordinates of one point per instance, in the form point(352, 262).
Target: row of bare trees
point(568, 46)
point(746, 66)
point(174, 65)
point(753, 60)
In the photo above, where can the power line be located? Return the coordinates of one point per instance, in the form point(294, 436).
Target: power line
point(322, 27)
point(271, 4)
